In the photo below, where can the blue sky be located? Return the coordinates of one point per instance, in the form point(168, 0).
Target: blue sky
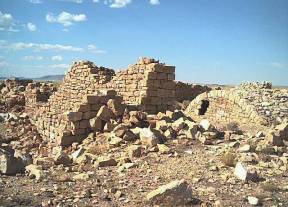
point(209, 41)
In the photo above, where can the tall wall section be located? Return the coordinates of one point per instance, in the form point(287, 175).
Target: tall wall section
point(78, 99)
point(147, 84)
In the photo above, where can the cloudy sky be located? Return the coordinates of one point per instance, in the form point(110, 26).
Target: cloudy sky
point(219, 41)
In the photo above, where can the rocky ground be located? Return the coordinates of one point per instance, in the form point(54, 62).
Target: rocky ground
point(145, 160)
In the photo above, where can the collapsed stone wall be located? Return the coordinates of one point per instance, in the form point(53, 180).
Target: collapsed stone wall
point(253, 106)
point(186, 91)
point(90, 96)
point(38, 93)
point(255, 85)
point(147, 84)
point(66, 114)
point(12, 94)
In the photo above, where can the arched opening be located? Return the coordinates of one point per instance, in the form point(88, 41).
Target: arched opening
point(203, 107)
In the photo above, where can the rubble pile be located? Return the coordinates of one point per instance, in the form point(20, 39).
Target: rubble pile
point(12, 94)
point(255, 85)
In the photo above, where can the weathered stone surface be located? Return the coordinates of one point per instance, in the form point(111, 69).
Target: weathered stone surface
point(96, 124)
point(9, 164)
point(163, 149)
point(105, 114)
point(134, 151)
point(149, 137)
point(106, 161)
point(36, 171)
point(253, 200)
point(176, 193)
point(243, 173)
point(255, 104)
point(62, 158)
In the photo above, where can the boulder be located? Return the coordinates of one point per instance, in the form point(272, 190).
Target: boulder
point(163, 149)
point(206, 125)
point(134, 151)
point(116, 106)
point(176, 193)
point(62, 158)
point(96, 124)
point(106, 161)
point(283, 130)
point(105, 113)
point(170, 133)
point(179, 124)
point(253, 200)
point(274, 138)
point(10, 165)
point(119, 131)
point(149, 137)
point(35, 171)
point(244, 174)
point(129, 136)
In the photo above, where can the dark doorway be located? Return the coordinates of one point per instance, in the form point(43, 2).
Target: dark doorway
point(203, 108)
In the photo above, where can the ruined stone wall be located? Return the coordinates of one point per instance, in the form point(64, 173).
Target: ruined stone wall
point(66, 114)
point(147, 84)
point(38, 93)
point(90, 96)
point(255, 106)
point(225, 107)
point(186, 91)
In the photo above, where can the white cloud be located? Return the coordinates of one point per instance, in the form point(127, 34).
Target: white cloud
point(96, 1)
point(65, 18)
point(7, 22)
point(31, 57)
point(57, 58)
point(120, 3)
point(3, 64)
point(31, 27)
point(95, 49)
point(36, 1)
point(154, 2)
point(278, 65)
point(59, 66)
point(74, 1)
point(38, 46)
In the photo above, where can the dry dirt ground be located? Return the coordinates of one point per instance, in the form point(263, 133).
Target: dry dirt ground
point(212, 183)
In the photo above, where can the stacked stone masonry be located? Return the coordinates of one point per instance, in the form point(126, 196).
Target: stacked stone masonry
point(38, 93)
point(246, 105)
point(87, 91)
point(186, 91)
point(147, 84)
point(82, 84)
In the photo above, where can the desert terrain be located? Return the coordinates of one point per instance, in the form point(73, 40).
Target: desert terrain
point(139, 138)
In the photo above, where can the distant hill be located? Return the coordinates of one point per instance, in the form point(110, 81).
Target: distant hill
point(50, 78)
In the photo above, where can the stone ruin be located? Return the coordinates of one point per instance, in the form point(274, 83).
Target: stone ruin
point(38, 93)
point(90, 98)
point(187, 91)
point(251, 104)
point(12, 95)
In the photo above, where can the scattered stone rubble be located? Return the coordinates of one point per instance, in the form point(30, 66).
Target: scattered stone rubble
point(94, 141)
